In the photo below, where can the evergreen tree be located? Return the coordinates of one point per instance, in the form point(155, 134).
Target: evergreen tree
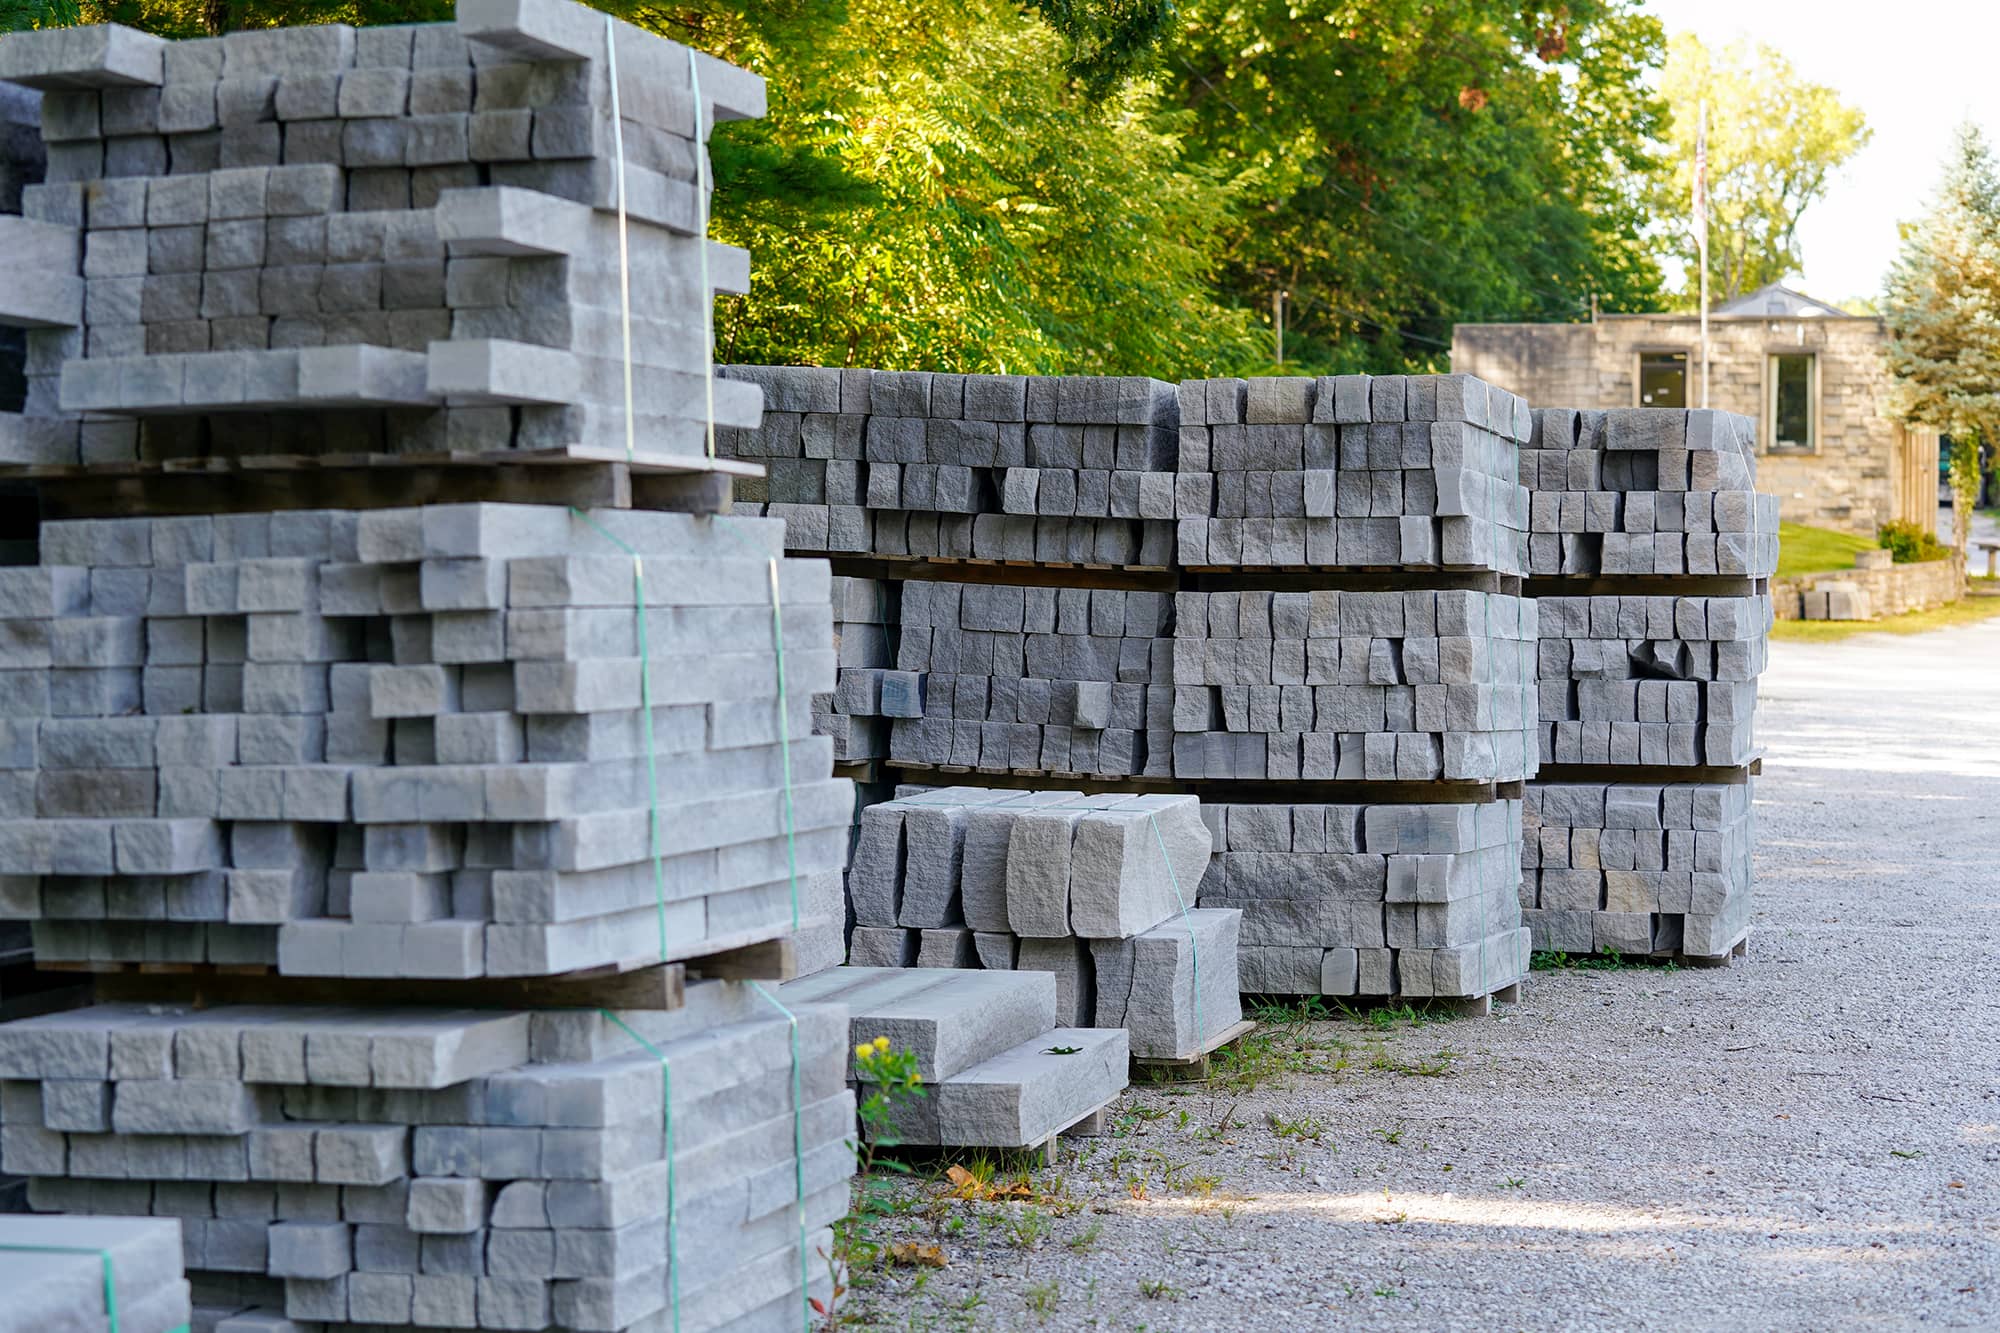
point(1943, 308)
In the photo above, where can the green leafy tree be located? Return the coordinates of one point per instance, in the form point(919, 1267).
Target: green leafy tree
point(1774, 141)
point(1943, 309)
point(933, 190)
point(1407, 164)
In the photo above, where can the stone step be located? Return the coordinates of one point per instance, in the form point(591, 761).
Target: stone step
point(1024, 1096)
point(952, 1020)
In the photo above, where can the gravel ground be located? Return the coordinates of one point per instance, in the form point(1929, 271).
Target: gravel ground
point(1809, 1139)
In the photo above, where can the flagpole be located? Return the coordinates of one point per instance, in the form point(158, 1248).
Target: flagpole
point(1701, 241)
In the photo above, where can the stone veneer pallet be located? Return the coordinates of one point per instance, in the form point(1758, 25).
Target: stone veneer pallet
point(1653, 635)
point(1661, 869)
point(259, 710)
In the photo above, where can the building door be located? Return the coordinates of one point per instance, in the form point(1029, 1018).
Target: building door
point(1663, 379)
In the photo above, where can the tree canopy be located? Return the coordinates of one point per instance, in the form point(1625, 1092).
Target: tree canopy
point(1107, 186)
point(1943, 309)
point(1774, 141)
point(1406, 164)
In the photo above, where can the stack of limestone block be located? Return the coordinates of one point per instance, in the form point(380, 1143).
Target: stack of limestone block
point(1360, 540)
point(1404, 657)
point(1386, 471)
point(435, 1168)
point(379, 755)
point(1415, 685)
point(1371, 900)
point(1638, 867)
point(1645, 492)
point(1000, 677)
point(411, 226)
point(865, 617)
point(1000, 1067)
point(409, 742)
point(92, 1275)
point(1044, 469)
point(1094, 889)
point(1653, 553)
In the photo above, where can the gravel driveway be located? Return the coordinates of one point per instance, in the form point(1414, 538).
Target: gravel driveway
point(1807, 1140)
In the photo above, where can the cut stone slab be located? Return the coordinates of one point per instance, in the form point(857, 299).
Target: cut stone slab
point(951, 1020)
point(1075, 973)
point(1022, 1096)
point(1134, 866)
point(66, 1291)
point(1148, 985)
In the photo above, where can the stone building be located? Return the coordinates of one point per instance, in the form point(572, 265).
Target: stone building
point(1812, 376)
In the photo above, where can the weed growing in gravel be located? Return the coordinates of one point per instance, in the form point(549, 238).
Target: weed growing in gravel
point(1042, 1299)
point(1028, 1228)
point(1158, 1289)
point(1271, 1011)
point(1083, 1242)
point(1555, 960)
point(1305, 1127)
point(1287, 1042)
point(1435, 1066)
point(1513, 1183)
point(1392, 1137)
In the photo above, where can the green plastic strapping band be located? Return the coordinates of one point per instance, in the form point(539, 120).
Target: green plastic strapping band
point(110, 1287)
point(667, 1129)
point(784, 720)
point(646, 726)
point(798, 1157)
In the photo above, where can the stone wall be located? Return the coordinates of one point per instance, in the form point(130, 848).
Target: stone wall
point(1867, 468)
point(1891, 589)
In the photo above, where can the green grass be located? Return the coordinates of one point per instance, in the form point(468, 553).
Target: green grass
point(1804, 550)
point(1969, 611)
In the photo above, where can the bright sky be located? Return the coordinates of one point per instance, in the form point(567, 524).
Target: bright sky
point(1915, 68)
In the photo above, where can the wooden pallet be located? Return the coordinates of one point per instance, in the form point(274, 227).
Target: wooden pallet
point(660, 986)
point(585, 479)
point(963, 569)
point(1645, 585)
point(1346, 578)
point(1654, 774)
point(1191, 1068)
point(767, 960)
point(1092, 1126)
point(1274, 791)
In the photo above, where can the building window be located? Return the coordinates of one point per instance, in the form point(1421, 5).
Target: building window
point(1790, 415)
point(1663, 379)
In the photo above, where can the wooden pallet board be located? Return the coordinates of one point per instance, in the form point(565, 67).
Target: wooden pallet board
point(1644, 585)
point(1652, 774)
point(661, 986)
point(768, 960)
point(1192, 1067)
point(957, 569)
point(1346, 578)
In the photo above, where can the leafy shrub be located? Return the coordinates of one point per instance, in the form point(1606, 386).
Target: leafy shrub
point(1908, 543)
